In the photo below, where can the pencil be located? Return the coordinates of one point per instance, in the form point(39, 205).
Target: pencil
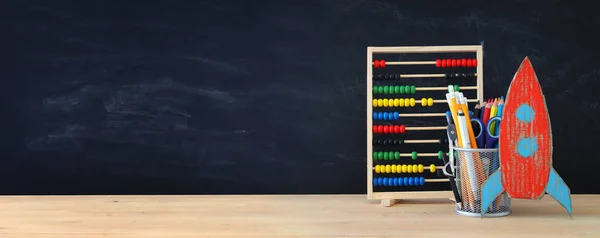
point(482, 109)
point(477, 110)
point(493, 113)
point(454, 110)
point(486, 113)
point(465, 108)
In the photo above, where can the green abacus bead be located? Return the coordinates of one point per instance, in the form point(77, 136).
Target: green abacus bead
point(440, 154)
point(413, 89)
point(375, 90)
point(386, 89)
point(397, 89)
point(375, 155)
point(380, 88)
point(397, 155)
point(414, 155)
point(386, 155)
point(380, 155)
point(456, 88)
point(401, 89)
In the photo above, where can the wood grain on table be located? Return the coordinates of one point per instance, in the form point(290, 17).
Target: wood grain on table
point(283, 216)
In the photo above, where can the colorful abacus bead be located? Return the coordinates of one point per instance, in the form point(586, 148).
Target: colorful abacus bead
point(379, 63)
point(400, 181)
point(389, 129)
point(385, 116)
point(426, 102)
point(459, 75)
point(386, 155)
point(453, 63)
point(403, 168)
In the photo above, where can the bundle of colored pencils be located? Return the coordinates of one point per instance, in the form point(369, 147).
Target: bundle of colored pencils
point(488, 109)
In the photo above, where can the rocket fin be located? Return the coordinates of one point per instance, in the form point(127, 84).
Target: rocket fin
point(490, 190)
point(558, 189)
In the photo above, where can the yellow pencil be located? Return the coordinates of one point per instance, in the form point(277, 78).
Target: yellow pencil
point(454, 110)
point(493, 113)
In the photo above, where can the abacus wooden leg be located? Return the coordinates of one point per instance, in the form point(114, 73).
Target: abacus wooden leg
point(388, 202)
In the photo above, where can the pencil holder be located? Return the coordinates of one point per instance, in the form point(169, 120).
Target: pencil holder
point(473, 167)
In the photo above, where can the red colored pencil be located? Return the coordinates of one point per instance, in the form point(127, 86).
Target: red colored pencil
point(486, 113)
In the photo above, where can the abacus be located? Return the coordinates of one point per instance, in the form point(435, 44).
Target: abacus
point(395, 76)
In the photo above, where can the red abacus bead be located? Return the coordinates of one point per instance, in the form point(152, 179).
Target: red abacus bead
point(402, 129)
point(380, 129)
point(474, 62)
point(382, 63)
point(444, 63)
point(463, 62)
point(375, 129)
point(469, 63)
point(376, 63)
point(396, 129)
point(453, 63)
point(438, 63)
point(387, 129)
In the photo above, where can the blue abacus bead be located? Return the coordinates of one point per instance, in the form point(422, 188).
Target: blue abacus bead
point(379, 181)
point(395, 182)
point(405, 182)
point(411, 181)
point(396, 115)
point(379, 116)
point(385, 116)
point(385, 182)
point(374, 181)
point(421, 181)
point(374, 115)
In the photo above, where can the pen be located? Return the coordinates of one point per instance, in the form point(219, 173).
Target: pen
point(457, 197)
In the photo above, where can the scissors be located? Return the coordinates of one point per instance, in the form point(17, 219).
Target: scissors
point(484, 136)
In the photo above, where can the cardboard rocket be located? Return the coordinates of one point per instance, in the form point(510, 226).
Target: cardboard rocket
point(525, 147)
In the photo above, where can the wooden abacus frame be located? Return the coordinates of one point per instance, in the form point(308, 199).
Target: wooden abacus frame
point(390, 198)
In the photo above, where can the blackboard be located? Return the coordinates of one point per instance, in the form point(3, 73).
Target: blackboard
point(254, 97)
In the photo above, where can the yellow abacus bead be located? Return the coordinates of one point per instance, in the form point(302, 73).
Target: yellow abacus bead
point(394, 167)
point(423, 101)
point(401, 102)
point(377, 169)
point(380, 102)
point(412, 102)
point(396, 102)
point(421, 168)
point(415, 168)
point(410, 168)
point(385, 102)
point(432, 168)
point(430, 102)
point(374, 102)
point(388, 168)
point(404, 168)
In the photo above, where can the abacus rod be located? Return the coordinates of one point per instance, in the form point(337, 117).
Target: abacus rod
point(420, 141)
point(426, 128)
point(444, 88)
point(424, 167)
point(421, 114)
point(419, 154)
point(437, 180)
point(408, 62)
point(445, 101)
point(424, 75)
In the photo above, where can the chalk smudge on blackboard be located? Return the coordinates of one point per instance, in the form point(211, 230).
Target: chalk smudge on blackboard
point(223, 66)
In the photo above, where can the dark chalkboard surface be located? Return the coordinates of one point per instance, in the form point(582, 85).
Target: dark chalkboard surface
point(204, 97)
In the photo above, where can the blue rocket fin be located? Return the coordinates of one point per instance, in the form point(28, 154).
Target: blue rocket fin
point(559, 190)
point(490, 190)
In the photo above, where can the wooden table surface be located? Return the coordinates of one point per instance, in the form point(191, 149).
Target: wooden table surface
point(283, 216)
